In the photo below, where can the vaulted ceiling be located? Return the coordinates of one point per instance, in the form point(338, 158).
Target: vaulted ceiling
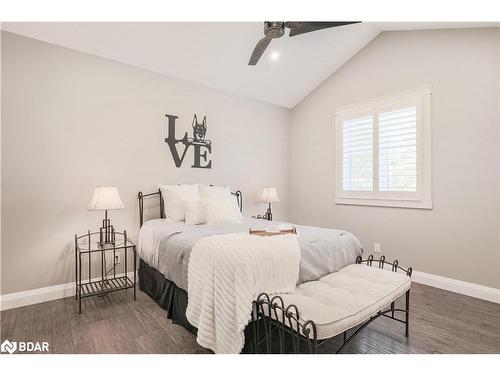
point(216, 54)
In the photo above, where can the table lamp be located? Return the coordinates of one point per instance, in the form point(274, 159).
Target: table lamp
point(106, 198)
point(269, 195)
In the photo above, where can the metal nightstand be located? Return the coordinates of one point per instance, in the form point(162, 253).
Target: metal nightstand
point(109, 280)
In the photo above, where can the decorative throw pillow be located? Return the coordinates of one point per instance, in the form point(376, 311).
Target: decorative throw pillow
point(194, 211)
point(219, 192)
point(221, 210)
point(173, 197)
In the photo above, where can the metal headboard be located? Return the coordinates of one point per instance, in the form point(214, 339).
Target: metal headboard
point(140, 196)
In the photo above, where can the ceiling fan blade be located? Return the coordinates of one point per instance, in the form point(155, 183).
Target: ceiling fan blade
point(297, 28)
point(258, 51)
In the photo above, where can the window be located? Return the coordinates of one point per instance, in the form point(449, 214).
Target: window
point(383, 151)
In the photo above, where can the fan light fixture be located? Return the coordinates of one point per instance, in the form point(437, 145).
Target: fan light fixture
point(274, 56)
point(275, 30)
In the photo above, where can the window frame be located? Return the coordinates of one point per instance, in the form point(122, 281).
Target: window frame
point(421, 99)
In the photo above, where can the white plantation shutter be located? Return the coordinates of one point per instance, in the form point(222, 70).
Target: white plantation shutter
point(357, 149)
point(383, 155)
point(397, 150)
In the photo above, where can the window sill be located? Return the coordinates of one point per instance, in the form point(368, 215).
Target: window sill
point(398, 203)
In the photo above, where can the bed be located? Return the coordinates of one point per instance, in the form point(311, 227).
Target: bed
point(165, 247)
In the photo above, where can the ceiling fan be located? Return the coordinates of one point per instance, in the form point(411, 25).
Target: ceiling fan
point(274, 30)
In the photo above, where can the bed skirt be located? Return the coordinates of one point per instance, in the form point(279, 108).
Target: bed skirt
point(166, 294)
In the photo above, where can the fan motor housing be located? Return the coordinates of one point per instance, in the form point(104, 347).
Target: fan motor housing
point(274, 29)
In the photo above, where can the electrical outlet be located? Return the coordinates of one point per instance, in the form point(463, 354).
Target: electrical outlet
point(376, 247)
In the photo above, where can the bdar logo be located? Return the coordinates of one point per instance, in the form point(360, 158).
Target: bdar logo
point(8, 347)
point(202, 147)
point(24, 346)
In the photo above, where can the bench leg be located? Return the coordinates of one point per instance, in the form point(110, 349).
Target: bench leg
point(407, 313)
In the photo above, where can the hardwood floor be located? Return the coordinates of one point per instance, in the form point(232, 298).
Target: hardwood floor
point(441, 322)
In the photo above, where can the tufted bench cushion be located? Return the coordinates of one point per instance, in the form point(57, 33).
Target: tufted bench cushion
point(344, 299)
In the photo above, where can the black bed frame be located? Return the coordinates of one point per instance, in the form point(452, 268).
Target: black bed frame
point(141, 196)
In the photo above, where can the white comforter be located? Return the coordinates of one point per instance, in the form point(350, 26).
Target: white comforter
point(226, 273)
point(167, 246)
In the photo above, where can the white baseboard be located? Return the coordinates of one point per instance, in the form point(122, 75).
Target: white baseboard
point(50, 293)
point(30, 297)
point(457, 286)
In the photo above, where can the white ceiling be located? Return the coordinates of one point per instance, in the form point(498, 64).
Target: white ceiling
point(216, 54)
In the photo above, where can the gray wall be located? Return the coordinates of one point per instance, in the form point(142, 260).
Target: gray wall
point(71, 121)
point(459, 237)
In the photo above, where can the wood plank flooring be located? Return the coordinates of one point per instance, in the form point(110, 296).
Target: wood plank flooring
point(441, 322)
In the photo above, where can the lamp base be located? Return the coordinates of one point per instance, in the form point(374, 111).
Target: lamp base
point(106, 232)
point(269, 214)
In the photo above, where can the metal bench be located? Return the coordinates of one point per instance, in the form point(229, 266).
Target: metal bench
point(336, 303)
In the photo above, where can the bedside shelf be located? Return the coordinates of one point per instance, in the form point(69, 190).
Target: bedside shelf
point(96, 288)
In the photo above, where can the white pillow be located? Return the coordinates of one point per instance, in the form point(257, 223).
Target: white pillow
point(194, 210)
point(214, 191)
point(221, 210)
point(219, 192)
point(173, 197)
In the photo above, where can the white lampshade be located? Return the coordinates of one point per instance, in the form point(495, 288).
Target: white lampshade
point(106, 198)
point(270, 195)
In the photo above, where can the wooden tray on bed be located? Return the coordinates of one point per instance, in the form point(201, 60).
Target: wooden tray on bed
point(264, 233)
